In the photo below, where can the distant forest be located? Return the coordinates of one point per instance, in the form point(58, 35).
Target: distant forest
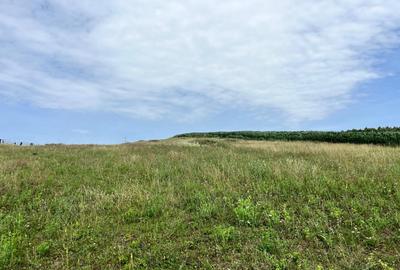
point(380, 135)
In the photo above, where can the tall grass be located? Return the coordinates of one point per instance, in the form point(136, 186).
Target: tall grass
point(200, 204)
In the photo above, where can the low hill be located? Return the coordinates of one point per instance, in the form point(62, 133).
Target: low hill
point(382, 136)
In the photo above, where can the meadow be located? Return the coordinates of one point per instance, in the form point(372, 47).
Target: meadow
point(200, 203)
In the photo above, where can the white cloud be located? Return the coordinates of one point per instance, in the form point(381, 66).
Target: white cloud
point(159, 59)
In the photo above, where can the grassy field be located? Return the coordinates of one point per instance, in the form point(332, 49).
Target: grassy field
point(200, 204)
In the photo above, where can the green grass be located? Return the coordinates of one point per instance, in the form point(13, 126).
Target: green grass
point(200, 204)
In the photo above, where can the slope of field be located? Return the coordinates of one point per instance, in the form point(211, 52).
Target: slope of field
point(200, 204)
point(380, 136)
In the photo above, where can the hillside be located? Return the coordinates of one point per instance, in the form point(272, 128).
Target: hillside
point(381, 136)
point(189, 203)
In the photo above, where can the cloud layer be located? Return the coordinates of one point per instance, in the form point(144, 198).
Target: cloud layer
point(157, 59)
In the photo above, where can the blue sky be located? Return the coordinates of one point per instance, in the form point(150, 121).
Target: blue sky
point(109, 71)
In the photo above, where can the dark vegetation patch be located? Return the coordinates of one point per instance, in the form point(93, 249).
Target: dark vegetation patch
point(381, 136)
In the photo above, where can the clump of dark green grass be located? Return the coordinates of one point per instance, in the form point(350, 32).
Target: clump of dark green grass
point(188, 204)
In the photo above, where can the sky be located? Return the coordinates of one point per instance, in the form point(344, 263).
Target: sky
point(100, 71)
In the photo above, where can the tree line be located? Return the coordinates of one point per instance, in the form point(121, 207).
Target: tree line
point(381, 135)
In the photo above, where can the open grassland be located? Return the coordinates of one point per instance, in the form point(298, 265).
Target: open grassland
point(200, 203)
